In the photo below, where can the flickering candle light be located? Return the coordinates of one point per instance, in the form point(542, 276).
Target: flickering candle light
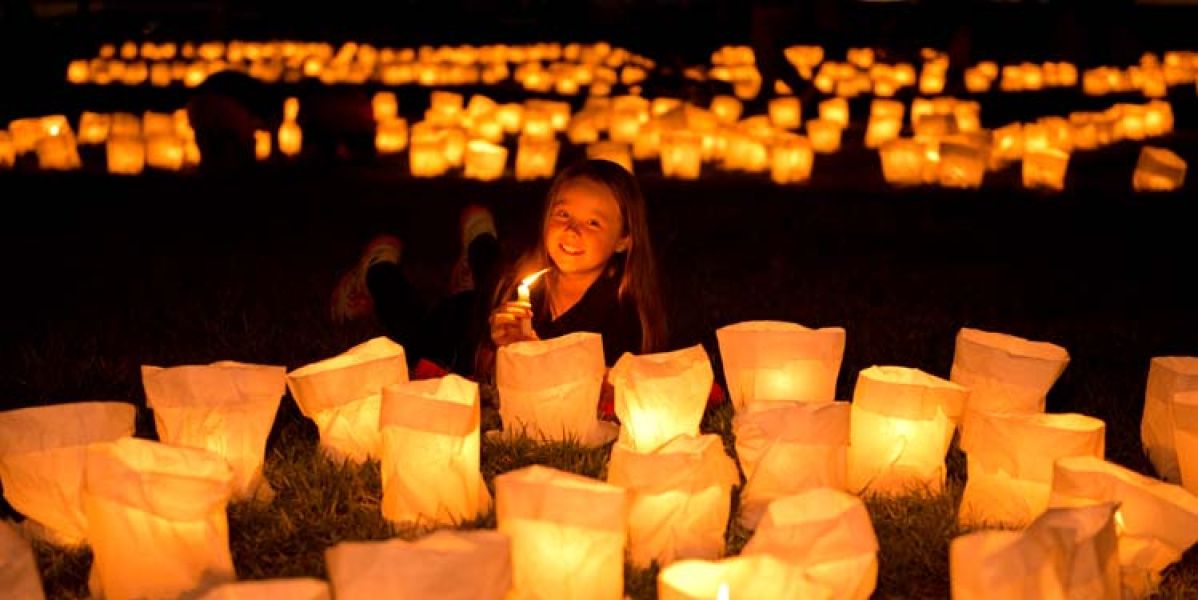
point(524, 295)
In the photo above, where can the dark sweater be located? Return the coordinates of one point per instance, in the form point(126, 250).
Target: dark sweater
point(598, 311)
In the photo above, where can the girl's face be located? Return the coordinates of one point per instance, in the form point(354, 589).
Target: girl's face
point(585, 227)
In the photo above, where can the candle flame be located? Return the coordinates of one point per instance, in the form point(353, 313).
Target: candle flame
point(54, 130)
point(1120, 527)
point(531, 279)
point(723, 593)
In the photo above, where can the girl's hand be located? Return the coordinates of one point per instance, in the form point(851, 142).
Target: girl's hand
point(507, 323)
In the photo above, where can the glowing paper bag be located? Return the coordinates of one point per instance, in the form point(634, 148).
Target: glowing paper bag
point(661, 396)
point(902, 424)
point(342, 395)
point(430, 452)
point(1064, 553)
point(156, 519)
point(299, 588)
point(19, 577)
point(1185, 436)
point(779, 361)
point(226, 407)
point(1167, 375)
point(43, 452)
point(760, 576)
point(785, 448)
point(568, 533)
point(679, 498)
point(1156, 521)
point(827, 533)
point(1011, 458)
point(1005, 373)
point(549, 389)
point(445, 565)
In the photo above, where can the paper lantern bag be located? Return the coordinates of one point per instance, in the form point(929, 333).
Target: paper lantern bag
point(826, 532)
point(1010, 460)
point(568, 533)
point(430, 452)
point(902, 425)
point(19, 576)
point(785, 448)
point(299, 588)
point(761, 576)
point(1185, 437)
point(679, 498)
point(156, 519)
point(445, 565)
point(1167, 375)
point(1156, 521)
point(773, 361)
point(226, 407)
point(43, 454)
point(1005, 373)
point(661, 396)
point(1064, 553)
point(549, 389)
point(343, 394)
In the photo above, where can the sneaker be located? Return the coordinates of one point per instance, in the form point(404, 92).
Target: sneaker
point(351, 300)
point(476, 220)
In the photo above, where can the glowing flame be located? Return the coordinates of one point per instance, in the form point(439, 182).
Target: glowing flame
point(1120, 527)
point(723, 593)
point(525, 288)
point(54, 130)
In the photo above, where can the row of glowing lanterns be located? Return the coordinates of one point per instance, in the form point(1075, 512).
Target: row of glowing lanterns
point(542, 68)
point(948, 146)
point(565, 69)
point(861, 73)
point(154, 512)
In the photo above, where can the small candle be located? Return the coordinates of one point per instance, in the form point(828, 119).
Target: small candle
point(723, 593)
point(524, 295)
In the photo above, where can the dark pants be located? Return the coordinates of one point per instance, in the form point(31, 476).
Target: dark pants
point(449, 333)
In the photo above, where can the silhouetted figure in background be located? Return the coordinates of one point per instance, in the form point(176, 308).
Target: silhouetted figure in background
point(774, 25)
point(225, 111)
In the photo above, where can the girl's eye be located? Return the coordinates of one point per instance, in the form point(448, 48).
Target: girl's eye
point(594, 224)
point(561, 215)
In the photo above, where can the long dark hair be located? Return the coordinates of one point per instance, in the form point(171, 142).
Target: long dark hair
point(636, 266)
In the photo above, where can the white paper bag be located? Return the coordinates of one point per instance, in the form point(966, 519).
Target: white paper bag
point(19, 578)
point(661, 396)
point(826, 532)
point(43, 451)
point(1005, 373)
point(785, 448)
point(549, 389)
point(779, 361)
point(1185, 437)
point(680, 497)
point(1167, 375)
point(430, 452)
point(1156, 521)
point(445, 565)
point(902, 425)
point(568, 533)
point(156, 519)
point(1010, 460)
point(226, 407)
point(760, 576)
point(299, 588)
point(342, 395)
point(1065, 553)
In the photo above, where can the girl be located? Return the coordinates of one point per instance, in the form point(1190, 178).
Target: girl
point(601, 278)
point(601, 273)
